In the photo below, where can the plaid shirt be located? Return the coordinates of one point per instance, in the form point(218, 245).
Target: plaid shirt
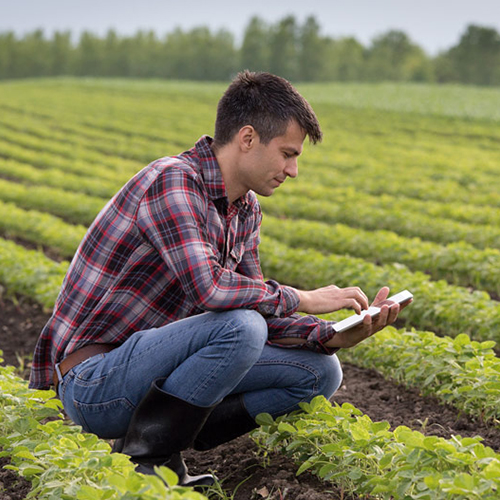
point(167, 246)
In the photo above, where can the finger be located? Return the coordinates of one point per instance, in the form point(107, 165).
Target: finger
point(370, 325)
point(353, 304)
point(380, 321)
point(393, 313)
point(354, 298)
point(382, 317)
point(364, 330)
point(361, 297)
point(402, 306)
point(382, 294)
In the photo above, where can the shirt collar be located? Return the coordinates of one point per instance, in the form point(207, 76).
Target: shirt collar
point(212, 174)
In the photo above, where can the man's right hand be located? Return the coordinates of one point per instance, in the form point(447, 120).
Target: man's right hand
point(332, 298)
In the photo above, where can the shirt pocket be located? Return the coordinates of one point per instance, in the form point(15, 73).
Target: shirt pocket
point(235, 256)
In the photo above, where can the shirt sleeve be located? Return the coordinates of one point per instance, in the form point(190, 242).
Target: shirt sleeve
point(173, 217)
point(314, 331)
point(250, 267)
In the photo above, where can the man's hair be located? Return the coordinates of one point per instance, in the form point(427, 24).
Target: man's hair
point(266, 102)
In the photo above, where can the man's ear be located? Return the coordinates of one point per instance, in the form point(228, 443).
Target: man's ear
point(247, 137)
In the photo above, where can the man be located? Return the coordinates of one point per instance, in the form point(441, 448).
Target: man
point(165, 335)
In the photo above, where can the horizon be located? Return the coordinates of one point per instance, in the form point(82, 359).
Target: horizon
point(434, 26)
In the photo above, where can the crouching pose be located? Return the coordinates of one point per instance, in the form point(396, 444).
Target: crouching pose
point(165, 335)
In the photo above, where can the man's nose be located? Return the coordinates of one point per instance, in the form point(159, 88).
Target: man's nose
point(292, 169)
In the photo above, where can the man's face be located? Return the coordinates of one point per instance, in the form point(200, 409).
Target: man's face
point(268, 165)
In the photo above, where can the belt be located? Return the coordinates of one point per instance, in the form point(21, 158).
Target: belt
point(78, 357)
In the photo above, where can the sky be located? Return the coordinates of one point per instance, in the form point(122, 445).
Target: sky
point(435, 25)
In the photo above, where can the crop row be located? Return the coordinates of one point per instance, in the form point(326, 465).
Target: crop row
point(441, 182)
point(43, 151)
point(413, 219)
point(390, 144)
point(340, 444)
point(371, 218)
point(458, 263)
point(438, 306)
point(49, 160)
point(73, 207)
point(460, 212)
point(64, 148)
point(30, 273)
point(82, 150)
point(146, 151)
point(410, 185)
point(62, 462)
point(118, 152)
point(409, 133)
point(458, 371)
point(70, 138)
point(125, 113)
point(373, 214)
point(40, 229)
point(57, 178)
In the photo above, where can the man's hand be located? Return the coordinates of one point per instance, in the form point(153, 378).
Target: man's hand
point(388, 314)
point(332, 298)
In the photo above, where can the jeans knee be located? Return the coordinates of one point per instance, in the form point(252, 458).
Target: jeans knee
point(249, 330)
point(330, 375)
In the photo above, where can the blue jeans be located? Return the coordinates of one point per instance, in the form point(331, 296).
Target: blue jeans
point(203, 358)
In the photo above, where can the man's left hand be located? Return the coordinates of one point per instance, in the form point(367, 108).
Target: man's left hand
point(388, 314)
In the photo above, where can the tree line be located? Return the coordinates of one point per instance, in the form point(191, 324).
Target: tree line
point(298, 52)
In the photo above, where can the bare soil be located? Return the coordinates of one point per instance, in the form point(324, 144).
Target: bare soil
point(237, 464)
point(12, 487)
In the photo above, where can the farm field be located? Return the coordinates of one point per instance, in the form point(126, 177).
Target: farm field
point(403, 191)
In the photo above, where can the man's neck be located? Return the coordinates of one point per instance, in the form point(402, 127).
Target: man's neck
point(227, 160)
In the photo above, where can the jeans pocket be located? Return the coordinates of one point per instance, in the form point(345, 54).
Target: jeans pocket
point(108, 419)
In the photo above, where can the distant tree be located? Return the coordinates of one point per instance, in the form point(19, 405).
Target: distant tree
point(200, 55)
point(61, 53)
point(115, 55)
point(145, 55)
point(90, 56)
point(393, 56)
point(7, 54)
point(32, 55)
point(311, 57)
point(283, 60)
point(344, 59)
point(476, 58)
point(223, 56)
point(254, 52)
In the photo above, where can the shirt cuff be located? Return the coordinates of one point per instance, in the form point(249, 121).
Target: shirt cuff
point(290, 301)
point(317, 343)
point(285, 301)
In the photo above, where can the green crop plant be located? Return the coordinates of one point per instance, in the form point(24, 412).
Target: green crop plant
point(458, 371)
point(340, 444)
point(64, 463)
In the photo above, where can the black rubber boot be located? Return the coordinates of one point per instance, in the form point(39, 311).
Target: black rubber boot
point(161, 427)
point(227, 421)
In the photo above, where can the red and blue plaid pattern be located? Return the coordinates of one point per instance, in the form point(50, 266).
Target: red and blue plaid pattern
point(167, 246)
